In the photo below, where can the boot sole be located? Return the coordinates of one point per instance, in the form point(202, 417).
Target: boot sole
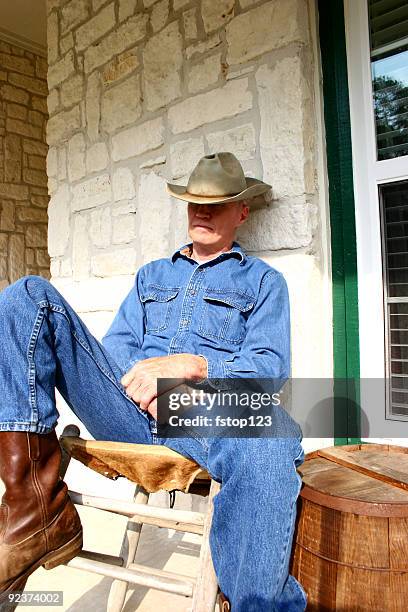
point(61, 555)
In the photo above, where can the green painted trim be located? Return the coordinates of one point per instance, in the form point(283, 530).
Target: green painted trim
point(342, 220)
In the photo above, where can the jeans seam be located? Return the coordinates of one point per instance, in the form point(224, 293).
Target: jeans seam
point(31, 365)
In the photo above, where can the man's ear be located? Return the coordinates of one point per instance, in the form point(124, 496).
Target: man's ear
point(244, 212)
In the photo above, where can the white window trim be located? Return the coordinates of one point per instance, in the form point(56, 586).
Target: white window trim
point(368, 173)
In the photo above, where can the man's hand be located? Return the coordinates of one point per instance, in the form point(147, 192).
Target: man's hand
point(141, 381)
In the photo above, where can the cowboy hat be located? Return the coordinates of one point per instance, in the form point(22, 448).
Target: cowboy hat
point(216, 179)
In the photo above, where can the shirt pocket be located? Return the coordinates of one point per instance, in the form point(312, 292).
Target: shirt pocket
point(158, 303)
point(224, 314)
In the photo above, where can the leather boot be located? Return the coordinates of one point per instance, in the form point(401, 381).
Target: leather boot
point(224, 603)
point(39, 524)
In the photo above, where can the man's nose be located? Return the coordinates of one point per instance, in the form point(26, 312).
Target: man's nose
point(203, 210)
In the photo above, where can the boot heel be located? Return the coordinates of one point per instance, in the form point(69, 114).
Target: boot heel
point(64, 554)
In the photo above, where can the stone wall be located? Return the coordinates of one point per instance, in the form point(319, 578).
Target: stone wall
point(138, 92)
point(23, 178)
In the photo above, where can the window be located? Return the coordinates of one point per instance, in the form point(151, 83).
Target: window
point(389, 66)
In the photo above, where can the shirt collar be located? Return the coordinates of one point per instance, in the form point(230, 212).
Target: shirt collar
point(236, 251)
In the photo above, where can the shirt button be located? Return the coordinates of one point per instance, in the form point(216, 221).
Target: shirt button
point(184, 322)
point(192, 291)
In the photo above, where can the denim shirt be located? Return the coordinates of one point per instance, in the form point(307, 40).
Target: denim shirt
point(233, 310)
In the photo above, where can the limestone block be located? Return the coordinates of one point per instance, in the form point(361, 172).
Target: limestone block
point(34, 177)
point(58, 72)
point(185, 155)
point(12, 170)
point(41, 67)
point(154, 213)
point(286, 135)
point(61, 126)
point(120, 66)
point(3, 270)
point(121, 105)
point(101, 227)
point(91, 192)
point(232, 99)
point(18, 64)
point(35, 147)
point(3, 75)
point(149, 3)
point(124, 208)
point(42, 258)
point(286, 226)
point(124, 229)
point(3, 284)
point(39, 104)
point(36, 86)
point(14, 94)
point(52, 38)
point(127, 35)
point(35, 118)
point(39, 200)
point(30, 256)
point(66, 43)
point(123, 184)
point(204, 74)
point(76, 157)
point(138, 139)
point(32, 215)
point(62, 163)
point(162, 58)
point(66, 267)
point(72, 90)
point(73, 13)
point(178, 4)
point(36, 236)
point(80, 248)
point(52, 185)
point(180, 222)
point(126, 8)
point(216, 14)
point(12, 147)
point(190, 24)
point(7, 222)
point(92, 106)
point(97, 157)
point(38, 162)
point(116, 263)
point(159, 15)
point(22, 127)
point(203, 46)
point(13, 191)
point(16, 263)
point(53, 101)
point(17, 111)
point(55, 268)
point(246, 3)
point(52, 161)
point(3, 243)
point(241, 141)
point(96, 27)
point(264, 28)
point(96, 4)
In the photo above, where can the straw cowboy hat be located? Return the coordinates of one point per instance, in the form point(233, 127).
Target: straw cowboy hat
point(217, 179)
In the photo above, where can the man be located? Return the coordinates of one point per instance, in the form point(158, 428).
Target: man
point(209, 311)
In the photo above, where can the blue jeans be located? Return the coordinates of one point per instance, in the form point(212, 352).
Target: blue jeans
point(45, 345)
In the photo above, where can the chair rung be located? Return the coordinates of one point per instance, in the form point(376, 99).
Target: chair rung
point(180, 520)
point(138, 574)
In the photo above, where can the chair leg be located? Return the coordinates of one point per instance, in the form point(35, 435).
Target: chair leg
point(205, 590)
point(118, 590)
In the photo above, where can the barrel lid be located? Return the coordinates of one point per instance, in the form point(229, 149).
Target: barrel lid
point(362, 478)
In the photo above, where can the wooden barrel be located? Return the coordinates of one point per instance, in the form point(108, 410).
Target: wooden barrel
point(350, 549)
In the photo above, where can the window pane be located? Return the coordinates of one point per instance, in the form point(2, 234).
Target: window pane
point(389, 66)
point(394, 209)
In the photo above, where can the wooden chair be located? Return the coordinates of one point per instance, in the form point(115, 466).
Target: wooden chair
point(152, 468)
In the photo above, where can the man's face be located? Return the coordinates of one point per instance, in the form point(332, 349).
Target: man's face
point(215, 224)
